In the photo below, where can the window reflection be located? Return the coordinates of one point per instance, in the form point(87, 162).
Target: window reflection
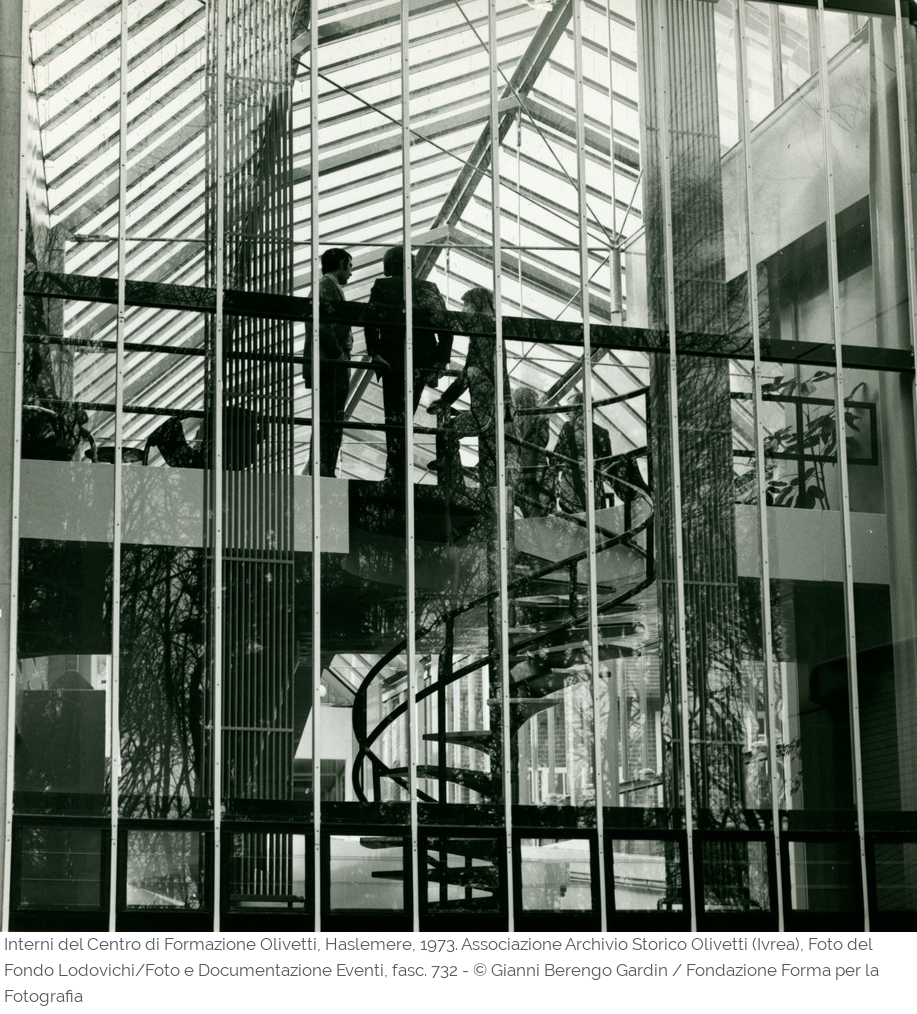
point(544, 675)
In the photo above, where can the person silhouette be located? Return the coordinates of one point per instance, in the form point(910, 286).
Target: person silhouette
point(477, 377)
point(386, 344)
point(570, 455)
point(335, 343)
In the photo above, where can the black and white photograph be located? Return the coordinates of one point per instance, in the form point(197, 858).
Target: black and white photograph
point(614, 633)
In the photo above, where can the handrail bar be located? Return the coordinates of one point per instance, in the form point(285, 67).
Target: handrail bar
point(360, 703)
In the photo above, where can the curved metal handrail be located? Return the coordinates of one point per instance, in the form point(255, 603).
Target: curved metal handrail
point(366, 740)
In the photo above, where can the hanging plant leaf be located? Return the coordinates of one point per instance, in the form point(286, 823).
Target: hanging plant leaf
point(825, 423)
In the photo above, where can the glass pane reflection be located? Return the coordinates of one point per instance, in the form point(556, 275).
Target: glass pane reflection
point(556, 875)
point(647, 875)
point(166, 870)
point(366, 874)
point(61, 868)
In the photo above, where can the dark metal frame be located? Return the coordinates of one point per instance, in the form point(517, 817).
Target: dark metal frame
point(199, 920)
point(59, 918)
point(260, 919)
point(487, 922)
point(747, 921)
point(843, 920)
point(545, 921)
point(667, 919)
point(879, 918)
point(365, 920)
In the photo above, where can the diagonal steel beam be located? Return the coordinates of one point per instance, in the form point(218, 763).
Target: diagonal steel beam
point(521, 83)
point(595, 140)
point(390, 142)
point(530, 65)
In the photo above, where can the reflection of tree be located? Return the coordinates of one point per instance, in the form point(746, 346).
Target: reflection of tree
point(162, 686)
point(702, 617)
point(64, 598)
point(52, 426)
point(718, 677)
point(164, 869)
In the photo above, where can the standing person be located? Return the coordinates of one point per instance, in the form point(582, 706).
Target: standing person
point(570, 453)
point(386, 344)
point(477, 377)
point(335, 342)
point(537, 490)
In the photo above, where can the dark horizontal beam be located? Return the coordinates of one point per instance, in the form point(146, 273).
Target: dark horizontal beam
point(266, 305)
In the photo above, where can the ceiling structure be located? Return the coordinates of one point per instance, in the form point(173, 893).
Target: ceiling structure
point(168, 105)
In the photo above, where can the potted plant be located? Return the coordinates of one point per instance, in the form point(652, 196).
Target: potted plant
point(810, 440)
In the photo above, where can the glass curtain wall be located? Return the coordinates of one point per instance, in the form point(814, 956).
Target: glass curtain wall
point(488, 440)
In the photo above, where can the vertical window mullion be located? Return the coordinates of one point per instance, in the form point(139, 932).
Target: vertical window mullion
point(19, 355)
point(841, 424)
point(614, 253)
point(773, 15)
point(313, 347)
point(763, 533)
point(115, 667)
point(518, 161)
point(589, 468)
point(502, 505)
point(411, 606)
point(663, 44)
point(905, 129)
point(216, 465)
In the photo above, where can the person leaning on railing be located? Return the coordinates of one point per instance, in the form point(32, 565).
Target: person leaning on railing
point(476, 377)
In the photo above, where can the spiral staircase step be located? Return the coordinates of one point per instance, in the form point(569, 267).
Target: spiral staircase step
point(477, 781)
point(481, 878)
point(472, 848)
point(474, 739)
point(382, 842)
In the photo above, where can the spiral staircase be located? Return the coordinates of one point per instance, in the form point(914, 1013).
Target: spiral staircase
point(550, 653)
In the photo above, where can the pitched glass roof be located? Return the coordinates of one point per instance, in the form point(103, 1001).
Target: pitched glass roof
point(169, 179)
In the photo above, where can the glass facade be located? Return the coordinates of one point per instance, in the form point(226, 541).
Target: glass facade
point(614, 626)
